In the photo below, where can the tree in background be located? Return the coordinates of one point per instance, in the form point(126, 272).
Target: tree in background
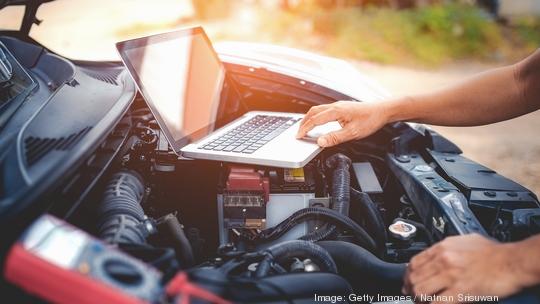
point(491, 5)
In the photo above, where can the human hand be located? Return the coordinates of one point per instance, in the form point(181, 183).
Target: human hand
point(464, 265)
point(357, 119)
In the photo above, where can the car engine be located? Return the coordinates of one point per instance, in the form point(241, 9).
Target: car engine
point(347, 223)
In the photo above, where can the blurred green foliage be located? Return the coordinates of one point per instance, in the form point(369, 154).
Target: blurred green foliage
point(528, 29)
point(429, 35)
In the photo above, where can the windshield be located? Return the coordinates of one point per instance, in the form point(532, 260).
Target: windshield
point(11, 17)
point(82, 29)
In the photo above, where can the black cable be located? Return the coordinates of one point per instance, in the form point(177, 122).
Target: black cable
point(170, 225)
point(372, 215)
point(329, 215)
point(340, 200)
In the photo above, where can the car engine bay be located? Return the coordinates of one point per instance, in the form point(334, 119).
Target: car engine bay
point(348, 222)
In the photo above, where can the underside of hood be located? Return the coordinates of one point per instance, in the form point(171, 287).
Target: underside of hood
point(4, 3)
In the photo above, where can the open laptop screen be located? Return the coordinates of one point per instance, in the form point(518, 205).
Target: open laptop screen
point(180, 77)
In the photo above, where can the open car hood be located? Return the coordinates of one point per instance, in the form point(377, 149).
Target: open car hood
point(4, 3)
point(315, 68)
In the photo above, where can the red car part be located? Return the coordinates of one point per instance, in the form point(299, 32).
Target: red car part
point(247, 179)
point(58, 285)
point(183, 290)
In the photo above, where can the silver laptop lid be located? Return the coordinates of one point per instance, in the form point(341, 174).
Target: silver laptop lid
point(180, 76)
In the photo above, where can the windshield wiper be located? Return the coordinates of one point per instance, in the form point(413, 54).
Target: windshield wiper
point(6, 70)
point(15, 85)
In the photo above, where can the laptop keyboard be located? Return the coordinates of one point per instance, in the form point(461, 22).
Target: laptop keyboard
point(251, 135)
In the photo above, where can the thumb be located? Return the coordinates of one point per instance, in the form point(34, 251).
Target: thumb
point(333, 138)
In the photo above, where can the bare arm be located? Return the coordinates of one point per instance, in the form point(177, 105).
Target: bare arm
point(526, 250)
point(474, 265)
point(489, 97)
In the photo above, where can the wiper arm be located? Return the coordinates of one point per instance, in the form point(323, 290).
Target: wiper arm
point(15, 85)
point(6, 70)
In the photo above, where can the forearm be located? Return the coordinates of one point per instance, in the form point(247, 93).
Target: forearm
point(524, 257)
point(493, 96)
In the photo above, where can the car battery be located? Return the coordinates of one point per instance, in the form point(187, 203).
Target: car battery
point(60, 263)
point(289, 190)
point(278, 207)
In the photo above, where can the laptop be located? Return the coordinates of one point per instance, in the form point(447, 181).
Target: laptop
point(181, 79)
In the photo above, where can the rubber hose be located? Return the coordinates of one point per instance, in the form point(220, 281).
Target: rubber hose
point(374, 220)
point(319, 213)
point(365, 270)
point(341, 182)
point(286, 250)
point(181, 244)
point(289, 288)
point(120, 212)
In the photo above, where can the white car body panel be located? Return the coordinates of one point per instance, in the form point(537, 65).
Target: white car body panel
point(332, 73)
